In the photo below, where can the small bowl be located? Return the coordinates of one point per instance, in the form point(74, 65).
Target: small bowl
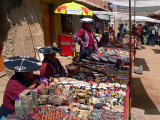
point(96, 75)
point(81, 94)
point(64, 82)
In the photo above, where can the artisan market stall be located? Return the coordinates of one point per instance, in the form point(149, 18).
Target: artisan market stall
point(96, 89)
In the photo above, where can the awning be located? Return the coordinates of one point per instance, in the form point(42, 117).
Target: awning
point(113, 15)
point(143, 18)
point(157, 21)
point(103, 17)
point(139, 3)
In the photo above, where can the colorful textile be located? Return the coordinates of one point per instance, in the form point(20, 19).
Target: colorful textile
point(85, 38)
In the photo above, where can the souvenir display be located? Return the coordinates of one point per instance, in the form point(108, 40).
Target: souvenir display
point(96, 89)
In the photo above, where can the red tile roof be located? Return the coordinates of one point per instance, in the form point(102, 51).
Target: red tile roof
point(96, 3)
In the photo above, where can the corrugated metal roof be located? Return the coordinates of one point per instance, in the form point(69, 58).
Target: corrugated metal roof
point(95, 3)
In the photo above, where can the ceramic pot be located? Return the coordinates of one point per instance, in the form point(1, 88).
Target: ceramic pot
point(81, 95)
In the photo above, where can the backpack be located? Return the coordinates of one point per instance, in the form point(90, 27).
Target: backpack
point(144, 30)
point(153, 31)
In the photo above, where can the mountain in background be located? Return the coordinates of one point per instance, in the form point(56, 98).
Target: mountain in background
point(143, 11)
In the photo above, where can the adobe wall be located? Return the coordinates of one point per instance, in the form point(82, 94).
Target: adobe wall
point(16, 21)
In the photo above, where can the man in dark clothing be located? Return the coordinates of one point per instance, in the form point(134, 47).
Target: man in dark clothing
point(144, 33)
point(153, 35)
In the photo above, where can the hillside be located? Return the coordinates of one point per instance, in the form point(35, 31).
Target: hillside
point(139, 11)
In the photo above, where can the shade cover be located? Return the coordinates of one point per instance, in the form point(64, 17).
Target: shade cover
point(73, 8)
point(143, 18)
point(103, 17)
point(139, 3)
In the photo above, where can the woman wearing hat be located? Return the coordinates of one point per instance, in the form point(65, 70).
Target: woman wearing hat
point(51, 66)
point(104, 40)
point(86, 38)
point(22, 79)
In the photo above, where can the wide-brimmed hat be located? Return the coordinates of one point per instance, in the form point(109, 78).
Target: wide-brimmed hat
point(86, 20)
point(49, 50)
point(22, 64)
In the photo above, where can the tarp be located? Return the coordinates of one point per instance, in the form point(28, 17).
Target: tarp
point(103, 17)
point(157, 21)
point(143, 18)
point(139, 3)
point(113, 15)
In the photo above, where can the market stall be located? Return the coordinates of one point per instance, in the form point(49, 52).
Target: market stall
point(97, 88)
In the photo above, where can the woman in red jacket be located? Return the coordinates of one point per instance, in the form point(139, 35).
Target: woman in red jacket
point(22, 79)
point(86, 39)
point(51, 66)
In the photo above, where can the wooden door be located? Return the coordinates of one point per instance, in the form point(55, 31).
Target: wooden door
point(1, 60)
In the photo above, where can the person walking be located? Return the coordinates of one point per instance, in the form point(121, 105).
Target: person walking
point(144, 33)
point(159, 35)
point(140, 33)
point(153, 35)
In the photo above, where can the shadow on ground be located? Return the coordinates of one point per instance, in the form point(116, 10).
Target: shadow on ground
point(142, 47)
point(156, 51)
point(141, 99)
point(142, 61)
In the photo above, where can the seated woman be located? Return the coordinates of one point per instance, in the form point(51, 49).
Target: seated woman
point(51, 66)
point(22, 79)
point(104, 40)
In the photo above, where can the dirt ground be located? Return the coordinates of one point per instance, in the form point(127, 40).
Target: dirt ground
point(145, 87)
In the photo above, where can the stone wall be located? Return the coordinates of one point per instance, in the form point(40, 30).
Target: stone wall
point(16, 21)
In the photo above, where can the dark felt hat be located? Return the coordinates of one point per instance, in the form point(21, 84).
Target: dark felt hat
point(49, 50)
point(22, 64)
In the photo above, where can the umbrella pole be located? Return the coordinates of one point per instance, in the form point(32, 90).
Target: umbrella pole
point(134, 29)
point(130, 72)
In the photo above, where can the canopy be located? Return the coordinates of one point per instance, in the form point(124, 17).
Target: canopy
point(143, 18)
point(157, 21)
point(103, 17)
point(73, 8)
point(113, 15)
point(139, 3)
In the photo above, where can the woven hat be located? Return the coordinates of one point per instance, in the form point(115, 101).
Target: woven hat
point(86, 20)
point(22, 64)
point(49, 50)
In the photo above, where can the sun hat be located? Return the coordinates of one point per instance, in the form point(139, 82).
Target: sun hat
point(86, 20)
point(49, 50)
point(22, 64)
